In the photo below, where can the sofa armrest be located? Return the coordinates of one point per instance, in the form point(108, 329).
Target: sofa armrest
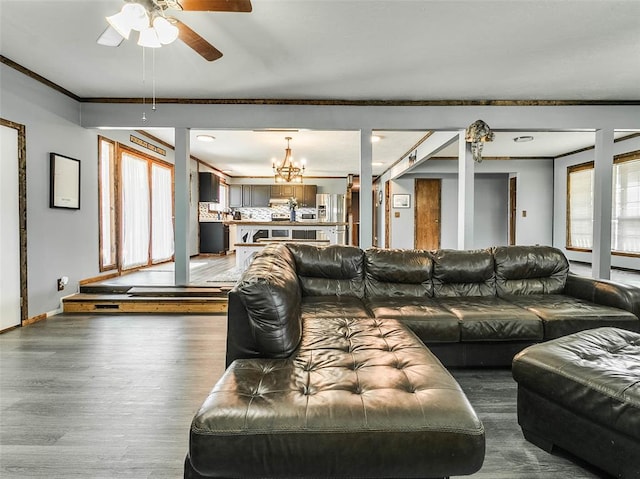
point(607, 293)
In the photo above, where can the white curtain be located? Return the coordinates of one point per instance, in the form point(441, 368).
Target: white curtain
point(581, 208)
point(161, 214)
point(135, 212)
point(626, 207)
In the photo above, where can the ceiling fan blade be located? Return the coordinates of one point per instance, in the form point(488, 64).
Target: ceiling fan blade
point(195, 41)
point(216, 5)
point(110, 37)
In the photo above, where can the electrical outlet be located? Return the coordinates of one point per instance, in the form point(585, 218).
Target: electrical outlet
point(62, 282)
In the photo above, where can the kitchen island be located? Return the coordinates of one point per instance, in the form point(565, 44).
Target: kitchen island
point(253, 235)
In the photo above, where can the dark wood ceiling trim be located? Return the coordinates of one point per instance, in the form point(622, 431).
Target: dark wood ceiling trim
point(622, 138)
point(283, 101)
point(344, 102)
point(35, 76)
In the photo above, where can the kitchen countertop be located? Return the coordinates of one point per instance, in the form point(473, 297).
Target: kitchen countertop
point(284, 223)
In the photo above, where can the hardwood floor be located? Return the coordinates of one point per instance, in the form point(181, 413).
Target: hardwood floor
point(112, 396)
point(202, 270)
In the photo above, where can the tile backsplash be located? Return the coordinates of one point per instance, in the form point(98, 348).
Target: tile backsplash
point(255, 214)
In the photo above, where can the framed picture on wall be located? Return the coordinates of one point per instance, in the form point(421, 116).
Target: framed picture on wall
point(64, 188)
point(402, 201)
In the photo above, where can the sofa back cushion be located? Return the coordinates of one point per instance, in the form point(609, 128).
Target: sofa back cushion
point(335, 270)
point(530, 270)
point(264, 316)
point(395, 272)
point(463, 273)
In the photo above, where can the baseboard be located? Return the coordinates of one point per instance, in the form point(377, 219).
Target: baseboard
point(35, 319)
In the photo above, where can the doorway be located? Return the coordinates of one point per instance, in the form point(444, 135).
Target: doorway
point(13, 223)
point(427, 213)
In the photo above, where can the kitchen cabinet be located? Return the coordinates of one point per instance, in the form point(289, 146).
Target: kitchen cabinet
point(208, 187)
point(214, 237)
point(259, 195)
point(306, 195)
point(281, 191)
point(235, 196)
point(256, 195)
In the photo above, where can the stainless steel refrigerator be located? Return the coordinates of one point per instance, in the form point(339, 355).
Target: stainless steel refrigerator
point(332, 208)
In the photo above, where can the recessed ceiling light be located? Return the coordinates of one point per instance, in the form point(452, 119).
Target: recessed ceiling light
point(375, 138)
point(377, 163)
point(206, 138)
point(523, 139)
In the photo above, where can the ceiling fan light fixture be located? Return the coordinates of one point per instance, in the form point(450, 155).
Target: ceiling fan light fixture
point(167, 33)
point(149, 38)
point(132, 16)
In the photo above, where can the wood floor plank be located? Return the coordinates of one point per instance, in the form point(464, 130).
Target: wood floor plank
point(112, 396)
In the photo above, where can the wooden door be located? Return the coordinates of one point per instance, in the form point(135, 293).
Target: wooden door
point(427, 213)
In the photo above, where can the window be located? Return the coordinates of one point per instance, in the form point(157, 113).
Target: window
point(107, 204)
point(147, 210)
point(625, 226)
point(137, 230)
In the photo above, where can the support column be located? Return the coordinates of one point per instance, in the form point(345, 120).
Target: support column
point(466, 170)
point(366, 184)
point(602, 204)
point(181, 205)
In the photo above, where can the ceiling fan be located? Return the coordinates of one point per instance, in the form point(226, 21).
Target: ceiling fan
point(156, 28)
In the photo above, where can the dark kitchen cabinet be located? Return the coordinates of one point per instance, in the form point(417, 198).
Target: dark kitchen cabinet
point(283, 191)
point(235, 196)
point(255, 195)
point(214, 237)
point(306, 195)
point(209, 188)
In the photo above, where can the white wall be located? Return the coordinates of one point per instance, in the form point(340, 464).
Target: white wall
point(534, 195)
point(59, 242)
point(491, 211)
point(560, 203)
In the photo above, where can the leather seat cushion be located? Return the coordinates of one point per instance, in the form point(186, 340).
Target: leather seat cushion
point(592, 373)
point(364, 392)
point(564, 315)
point(395, 272)
point(530, 270)
point(486, 318)
point(334, 306)
point(424, 316)
point(335, 270)
point(463, 273)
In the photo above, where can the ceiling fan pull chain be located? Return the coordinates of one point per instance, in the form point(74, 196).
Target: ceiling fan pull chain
point(144, 114)
point(153, 78)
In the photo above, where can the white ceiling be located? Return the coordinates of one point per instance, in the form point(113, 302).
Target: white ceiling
point(346, 50)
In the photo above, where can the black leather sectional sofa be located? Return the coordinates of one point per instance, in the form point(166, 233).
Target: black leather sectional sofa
point(471, 308)
point(327, 377)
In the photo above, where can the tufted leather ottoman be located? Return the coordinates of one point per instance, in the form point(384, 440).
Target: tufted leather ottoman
point(360, 398)
point(582, 393)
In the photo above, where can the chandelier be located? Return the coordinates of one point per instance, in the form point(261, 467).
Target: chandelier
point(478, 134)
point(288, 171)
